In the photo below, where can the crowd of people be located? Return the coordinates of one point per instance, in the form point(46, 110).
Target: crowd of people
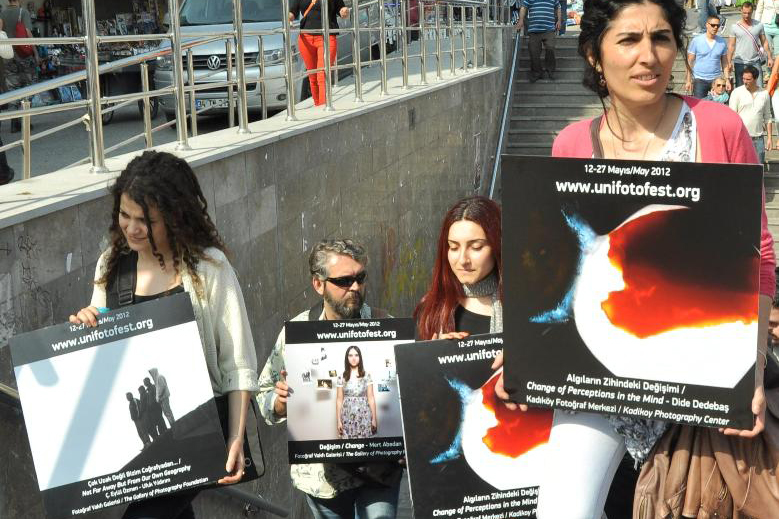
point(161, 228)
point(750, 44)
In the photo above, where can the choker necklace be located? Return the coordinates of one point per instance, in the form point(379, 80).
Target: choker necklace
point(652, 135)
point(488, 287)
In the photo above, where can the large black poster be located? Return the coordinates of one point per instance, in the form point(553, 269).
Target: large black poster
point(632, 287)
point(469, 457)
point(121, 412)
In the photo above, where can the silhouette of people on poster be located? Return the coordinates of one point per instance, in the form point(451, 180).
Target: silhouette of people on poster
point(135, 416)
point(162, 394)
point(148, 409)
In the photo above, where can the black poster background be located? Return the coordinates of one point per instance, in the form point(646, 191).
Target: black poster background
point(356, 331)
point(541, 253)
point(432, 419)
point(190, 454)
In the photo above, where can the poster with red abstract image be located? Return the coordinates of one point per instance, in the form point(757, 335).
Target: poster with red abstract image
point(468, 455)
point(631, 287)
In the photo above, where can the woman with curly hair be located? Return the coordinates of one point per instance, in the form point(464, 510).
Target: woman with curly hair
point(160, 229)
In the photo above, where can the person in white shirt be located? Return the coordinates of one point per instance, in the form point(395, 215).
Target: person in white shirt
point(753, 105)
point(765, 13)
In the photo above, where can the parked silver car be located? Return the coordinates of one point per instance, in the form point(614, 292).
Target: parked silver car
point(210, 60)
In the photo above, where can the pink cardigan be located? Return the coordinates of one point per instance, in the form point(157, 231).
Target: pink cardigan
point(722, 138)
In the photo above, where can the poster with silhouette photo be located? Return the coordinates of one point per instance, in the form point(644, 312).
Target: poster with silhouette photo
point(631, 287)
point(121, 412)
point(468, 455)
point(343, 405)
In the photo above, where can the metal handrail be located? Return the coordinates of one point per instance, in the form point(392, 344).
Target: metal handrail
point(492, 14)
point(505, 117)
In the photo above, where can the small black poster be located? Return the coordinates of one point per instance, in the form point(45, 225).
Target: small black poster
point(631, 287)
point(343, 405)
point(468, 456)
point(121, 412)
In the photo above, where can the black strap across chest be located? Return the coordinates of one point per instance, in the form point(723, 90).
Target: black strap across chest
point(121, 290)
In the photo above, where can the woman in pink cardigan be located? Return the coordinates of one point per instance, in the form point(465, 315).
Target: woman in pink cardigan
point(629, 47)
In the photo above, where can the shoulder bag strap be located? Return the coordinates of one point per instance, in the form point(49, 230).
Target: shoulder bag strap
point(126, 278)
point(597, 149)
point(754, 41)
point(308, 9)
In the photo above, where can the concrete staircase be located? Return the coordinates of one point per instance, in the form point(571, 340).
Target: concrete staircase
point(541, 109)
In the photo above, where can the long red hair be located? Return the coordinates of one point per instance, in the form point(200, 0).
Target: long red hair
point(435, 312)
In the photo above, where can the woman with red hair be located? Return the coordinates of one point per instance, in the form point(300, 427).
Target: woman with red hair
point(466, 292)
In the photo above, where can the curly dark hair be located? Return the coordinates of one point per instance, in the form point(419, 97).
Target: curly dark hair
point(162, 180)
point(597, 16)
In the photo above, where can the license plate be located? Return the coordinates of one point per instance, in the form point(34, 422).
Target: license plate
point(210, 103)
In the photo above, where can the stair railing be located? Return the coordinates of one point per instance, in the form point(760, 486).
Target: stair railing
point(508, 96)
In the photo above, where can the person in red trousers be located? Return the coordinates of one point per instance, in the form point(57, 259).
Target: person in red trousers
point(312, 46)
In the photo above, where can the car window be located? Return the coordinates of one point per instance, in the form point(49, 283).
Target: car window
point(207, 12)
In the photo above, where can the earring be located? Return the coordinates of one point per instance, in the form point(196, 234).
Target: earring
point(601, 79)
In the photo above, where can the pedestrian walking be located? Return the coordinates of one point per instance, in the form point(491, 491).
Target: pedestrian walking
point(747, 45)
point(20, 70)
point(766, 12)
point(753, 105)
point(311, 45)
point(707, 56)
point(544, 19)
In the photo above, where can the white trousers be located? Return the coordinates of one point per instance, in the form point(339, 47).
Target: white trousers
point(584, 454)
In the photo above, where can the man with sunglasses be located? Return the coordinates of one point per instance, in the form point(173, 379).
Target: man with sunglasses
point(707, 55)
point(333, 491)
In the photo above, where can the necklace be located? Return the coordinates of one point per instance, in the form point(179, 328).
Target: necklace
point(651, 135)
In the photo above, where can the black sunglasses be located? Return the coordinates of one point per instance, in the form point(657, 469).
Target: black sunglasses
point(347, 281)
point(715, 25)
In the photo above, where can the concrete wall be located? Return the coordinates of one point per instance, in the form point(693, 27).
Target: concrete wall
point(384, 177)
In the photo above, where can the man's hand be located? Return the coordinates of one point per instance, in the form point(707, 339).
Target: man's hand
point(291, 17)
point(728, 85)
point(520, 25)
point(282, 394)
point(770, 61)
point(687, 86)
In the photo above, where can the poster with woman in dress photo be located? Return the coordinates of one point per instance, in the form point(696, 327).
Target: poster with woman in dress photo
point(343, 404)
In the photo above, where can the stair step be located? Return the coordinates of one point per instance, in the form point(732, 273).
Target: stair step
point(577, 111)
point(554, 97)
point(529, 149)
point(535, 136)
point(542, 122)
